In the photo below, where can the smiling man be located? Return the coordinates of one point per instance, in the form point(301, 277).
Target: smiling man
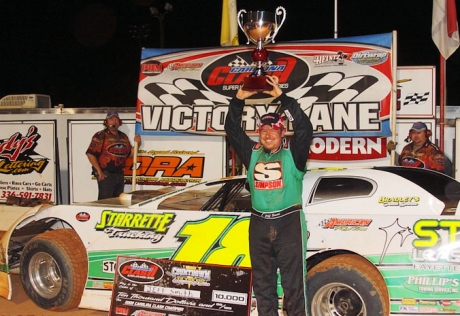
point(422, 153)
point(277, 230)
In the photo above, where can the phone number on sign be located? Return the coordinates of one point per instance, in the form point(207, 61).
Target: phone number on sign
point(26, 195)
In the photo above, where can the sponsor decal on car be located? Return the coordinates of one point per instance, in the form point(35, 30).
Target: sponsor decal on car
point(83, 217)
point(409, 301)
point(134, 225)
point(355, 224)
point(399, 200)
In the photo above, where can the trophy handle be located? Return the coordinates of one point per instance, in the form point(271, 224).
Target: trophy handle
point(279, 11)
point(239, 17)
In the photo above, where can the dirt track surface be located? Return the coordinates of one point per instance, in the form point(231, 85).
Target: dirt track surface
point(21, 305)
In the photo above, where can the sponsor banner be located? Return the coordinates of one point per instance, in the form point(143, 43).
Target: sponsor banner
point(161, 160)
point(28, 161)
point(172, 288)
point(344, 86)
point(178, 161)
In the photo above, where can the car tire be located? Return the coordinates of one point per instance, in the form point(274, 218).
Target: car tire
point(346, 285)
point(54, 269)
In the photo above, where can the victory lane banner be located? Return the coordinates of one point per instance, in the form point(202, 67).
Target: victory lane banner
point(344, 85)
point(145, 286)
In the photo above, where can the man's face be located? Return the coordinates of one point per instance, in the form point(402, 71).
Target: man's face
point(113, 123)
point(271, 138)
point(418, 137)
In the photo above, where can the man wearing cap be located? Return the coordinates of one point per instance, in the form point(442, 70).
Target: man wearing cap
point(107, 154)
point(421, 152)
point(275, 169)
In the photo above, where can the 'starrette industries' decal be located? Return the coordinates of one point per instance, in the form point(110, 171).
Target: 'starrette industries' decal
point(146, 226)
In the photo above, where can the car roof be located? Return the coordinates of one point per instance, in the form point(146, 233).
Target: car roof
point(439, 185)
point(436, 183)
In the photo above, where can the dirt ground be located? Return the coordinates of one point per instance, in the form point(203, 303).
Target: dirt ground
point(21, 305)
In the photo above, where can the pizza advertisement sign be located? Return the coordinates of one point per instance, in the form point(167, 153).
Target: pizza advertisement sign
point(153, 287)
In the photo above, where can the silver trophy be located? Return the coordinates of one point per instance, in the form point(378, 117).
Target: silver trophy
point(260, 28)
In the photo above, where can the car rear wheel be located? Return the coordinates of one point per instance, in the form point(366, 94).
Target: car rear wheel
point(54, 268)
point(346, 285)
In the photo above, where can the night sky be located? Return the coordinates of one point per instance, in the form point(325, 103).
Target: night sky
point(87, 53)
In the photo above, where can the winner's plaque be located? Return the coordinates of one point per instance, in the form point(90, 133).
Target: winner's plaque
point(260, 27)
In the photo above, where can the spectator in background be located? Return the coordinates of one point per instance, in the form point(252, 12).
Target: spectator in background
point(107, 153)
point(421, 152)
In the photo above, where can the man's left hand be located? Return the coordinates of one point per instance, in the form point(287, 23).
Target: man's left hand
point(138, 140)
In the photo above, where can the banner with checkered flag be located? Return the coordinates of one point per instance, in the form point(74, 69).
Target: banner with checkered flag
point(193, 95)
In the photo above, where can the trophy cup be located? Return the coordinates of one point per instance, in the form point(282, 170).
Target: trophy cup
point(260, 27)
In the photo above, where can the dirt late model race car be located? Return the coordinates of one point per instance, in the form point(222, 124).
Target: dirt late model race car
point(381, 241)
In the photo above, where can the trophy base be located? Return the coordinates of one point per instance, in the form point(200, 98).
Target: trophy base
point(258, 83)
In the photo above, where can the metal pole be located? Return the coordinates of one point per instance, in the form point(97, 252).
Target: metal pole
point(442, 100)
point(133, 178)
point(336, 32)
point(394, 91)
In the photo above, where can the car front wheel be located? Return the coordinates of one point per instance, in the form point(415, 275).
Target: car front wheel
point(54, 268)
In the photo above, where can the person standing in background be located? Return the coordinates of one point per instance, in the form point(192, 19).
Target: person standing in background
point(107, 153)
point(421, 152)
